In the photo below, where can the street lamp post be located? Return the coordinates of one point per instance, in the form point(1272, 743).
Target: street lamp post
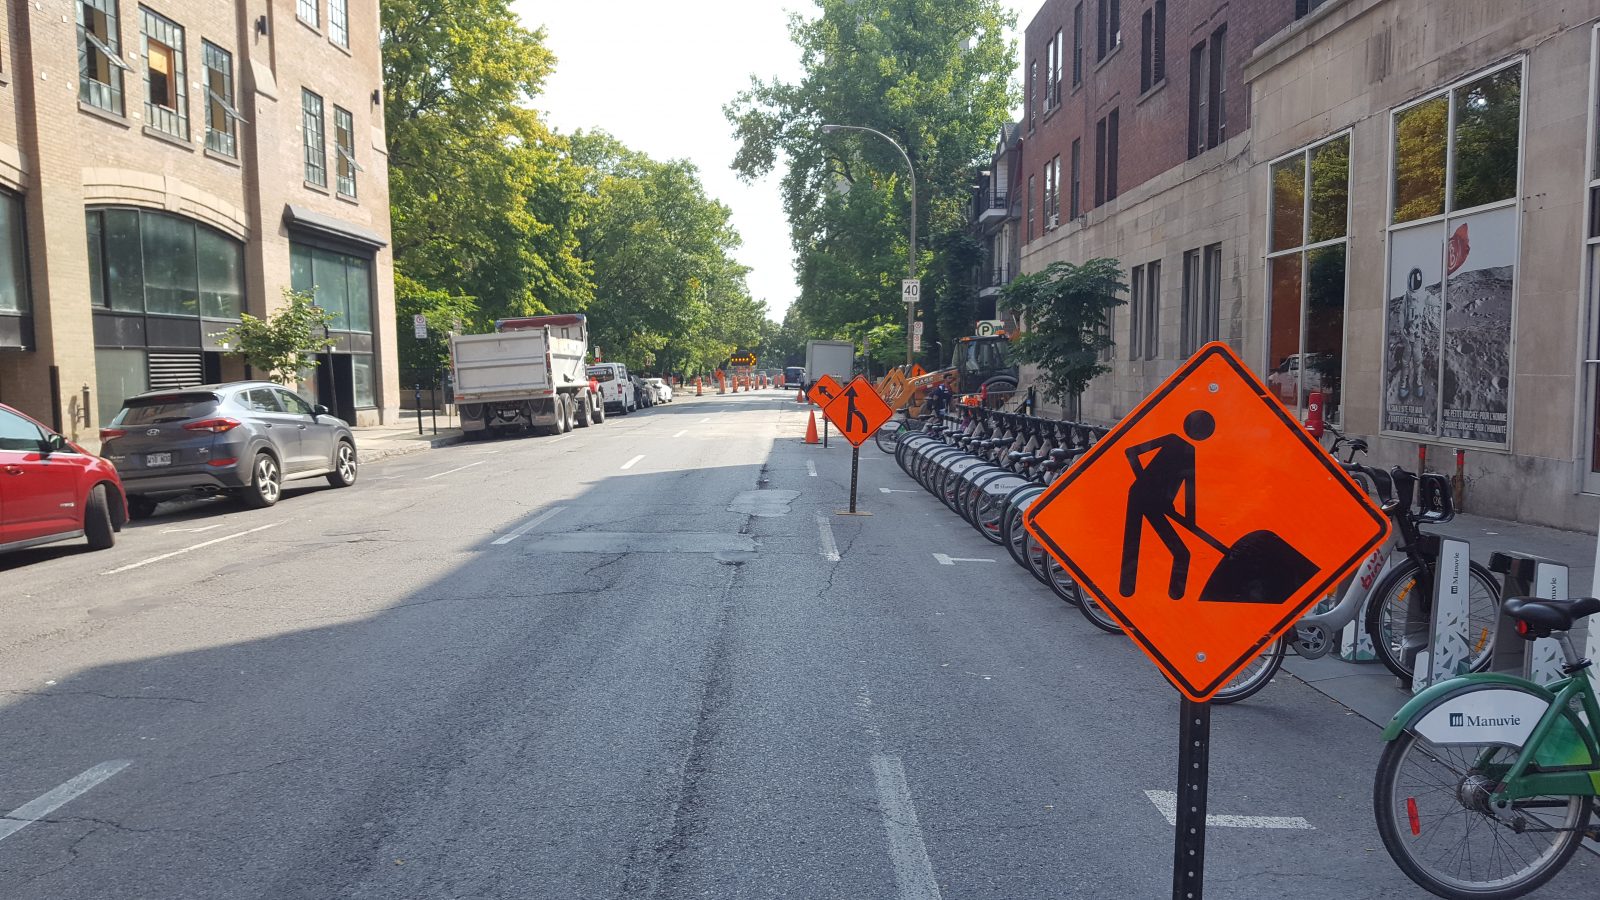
point(911, 245)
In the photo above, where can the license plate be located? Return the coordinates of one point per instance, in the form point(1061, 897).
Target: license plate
point(152, 460)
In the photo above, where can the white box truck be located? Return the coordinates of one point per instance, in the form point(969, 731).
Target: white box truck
point(836, 358)
point(528, 373)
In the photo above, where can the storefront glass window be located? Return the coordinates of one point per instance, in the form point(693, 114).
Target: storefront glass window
point(1447, 343)
point(361, 379)
point(13, 255)
point(152, 262)
point(342, 284)
point(221, 265)
point(119, 374)
point(1306, 273)
point(170, 283)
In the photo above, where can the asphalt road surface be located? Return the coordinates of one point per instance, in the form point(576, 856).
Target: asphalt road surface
point(644, 660)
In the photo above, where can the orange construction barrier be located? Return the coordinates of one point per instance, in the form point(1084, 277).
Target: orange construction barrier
point(698, 391)
point(811, 428)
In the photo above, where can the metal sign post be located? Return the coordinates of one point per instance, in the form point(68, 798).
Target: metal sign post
point(855, 465)
point(1194, 775)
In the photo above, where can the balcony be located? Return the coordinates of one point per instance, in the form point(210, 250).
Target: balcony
point(994, 277)
point(991, 206)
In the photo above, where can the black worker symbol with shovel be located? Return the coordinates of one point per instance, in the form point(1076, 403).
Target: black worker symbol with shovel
point(1260, 567)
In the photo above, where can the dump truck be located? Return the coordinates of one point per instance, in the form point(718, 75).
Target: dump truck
point(530, 373)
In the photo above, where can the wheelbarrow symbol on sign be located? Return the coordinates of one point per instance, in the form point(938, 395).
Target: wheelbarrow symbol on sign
point(1260, 567)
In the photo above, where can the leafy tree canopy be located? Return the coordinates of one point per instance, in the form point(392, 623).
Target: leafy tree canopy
point(1065, 323)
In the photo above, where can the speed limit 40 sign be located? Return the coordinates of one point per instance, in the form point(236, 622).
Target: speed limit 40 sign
point(910, 289)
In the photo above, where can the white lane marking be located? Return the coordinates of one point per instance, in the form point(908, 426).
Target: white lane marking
point(894, 491)
point(521, 530)
point(952, 560)
point(830, 549)
point(192, 530)
point(557, 440)
point(455, 470)
point(1167, 804)
point(34, 810)
point(913, 872)
point(704, 421)
point(155, 559)
point(681, 433)
point(632, 462)
point(811, 468)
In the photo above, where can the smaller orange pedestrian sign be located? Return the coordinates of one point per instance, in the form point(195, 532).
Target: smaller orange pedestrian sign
point(824, 389)
point(1207, 522)
point(857, 411)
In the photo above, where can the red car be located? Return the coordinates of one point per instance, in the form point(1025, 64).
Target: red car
point(53, 490)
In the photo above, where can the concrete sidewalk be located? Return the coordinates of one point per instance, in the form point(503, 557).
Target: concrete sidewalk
point(375, 442)
point(1369, 689)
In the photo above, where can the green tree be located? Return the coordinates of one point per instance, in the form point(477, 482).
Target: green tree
point(484, 198)
point(443, 311)
point(285, 344)
point(932, 74)
point(1065, 326)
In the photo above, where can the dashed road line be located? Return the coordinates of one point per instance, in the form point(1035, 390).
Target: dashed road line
point(52, 800)
point(632, 462)
point(811, 468)
point(192, 530)
point(155, 559)
point(681, 433)
point(830, 548)
point(455, 470)
point(913, 872)
point(943, 560)
point(1167, 804)
point(521, 530)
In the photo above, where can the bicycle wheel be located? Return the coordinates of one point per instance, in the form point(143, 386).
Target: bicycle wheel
point(1256, 674)
point(888, 435)
point(1434, 814)
point(1059, 580)
point(1093, 611)
point(1389, 608)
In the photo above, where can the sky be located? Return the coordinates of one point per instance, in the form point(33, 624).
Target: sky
point(656, 75)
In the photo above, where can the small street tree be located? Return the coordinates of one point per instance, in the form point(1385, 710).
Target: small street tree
point(1064, 311)
point(285, 343)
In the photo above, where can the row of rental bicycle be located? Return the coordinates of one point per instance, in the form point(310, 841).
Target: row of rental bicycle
point(989, 466)
point(1487, 784)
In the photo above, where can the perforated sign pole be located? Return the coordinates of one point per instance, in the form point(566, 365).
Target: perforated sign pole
point(855, 465)
point(1194, 775)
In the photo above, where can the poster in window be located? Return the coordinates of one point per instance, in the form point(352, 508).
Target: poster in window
point(1480, 262)
point(1411, 329)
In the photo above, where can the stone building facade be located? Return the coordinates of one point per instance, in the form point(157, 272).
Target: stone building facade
point(166, 166)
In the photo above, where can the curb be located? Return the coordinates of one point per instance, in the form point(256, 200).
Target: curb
point(409, 447)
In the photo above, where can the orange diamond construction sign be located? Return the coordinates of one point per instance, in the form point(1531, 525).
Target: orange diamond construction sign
point(1207, 522)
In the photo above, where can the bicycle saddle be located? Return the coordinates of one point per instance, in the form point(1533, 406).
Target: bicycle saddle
point(1016, 455)
point(1060, 453)
point(1549, 615)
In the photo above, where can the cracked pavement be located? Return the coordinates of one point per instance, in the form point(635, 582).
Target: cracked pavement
point(373, 700)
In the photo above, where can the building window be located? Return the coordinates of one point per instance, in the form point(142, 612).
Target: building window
point(338, 21)
point(1052, 193)
point(166, 95)
point(1144, 311)
point(221, 116)
point(1153, 46)
point(152, 262)
point(307, 12)
point(14, 288)
point(1105, 162)
point(1109, 22)
point(100, 64)
point(1077, 45)
point(344, 146)
point(1077, 178)
point(1453, 243)
point(1031, 185)
point(1055, 78)
point(341, 284)
point(1307, 235)
point(1208, 115)
point(316, 148)
point(1202, 297)
point(1033, 95)
point(1303, 8)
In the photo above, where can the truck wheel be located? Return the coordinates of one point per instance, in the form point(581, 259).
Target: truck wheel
point(564, 410)
point(599, 411)
point(581, 417)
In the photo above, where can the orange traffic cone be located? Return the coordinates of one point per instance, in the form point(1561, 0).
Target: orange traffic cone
point(811, 428)
point(698, 391)
point(799, 396)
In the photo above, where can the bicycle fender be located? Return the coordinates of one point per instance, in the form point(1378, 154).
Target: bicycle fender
point(1471, 709)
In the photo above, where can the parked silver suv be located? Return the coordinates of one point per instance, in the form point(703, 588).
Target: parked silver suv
point(245, 438)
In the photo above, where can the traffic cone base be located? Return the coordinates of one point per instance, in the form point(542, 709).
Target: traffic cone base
point(811, 428)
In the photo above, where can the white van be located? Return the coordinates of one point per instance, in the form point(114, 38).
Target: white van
point(616, 388)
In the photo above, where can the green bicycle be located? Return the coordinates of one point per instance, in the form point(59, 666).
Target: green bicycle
point(1486, 786)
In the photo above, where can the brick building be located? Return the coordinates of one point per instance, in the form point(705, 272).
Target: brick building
point(1340, 190)
point(167, 165)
